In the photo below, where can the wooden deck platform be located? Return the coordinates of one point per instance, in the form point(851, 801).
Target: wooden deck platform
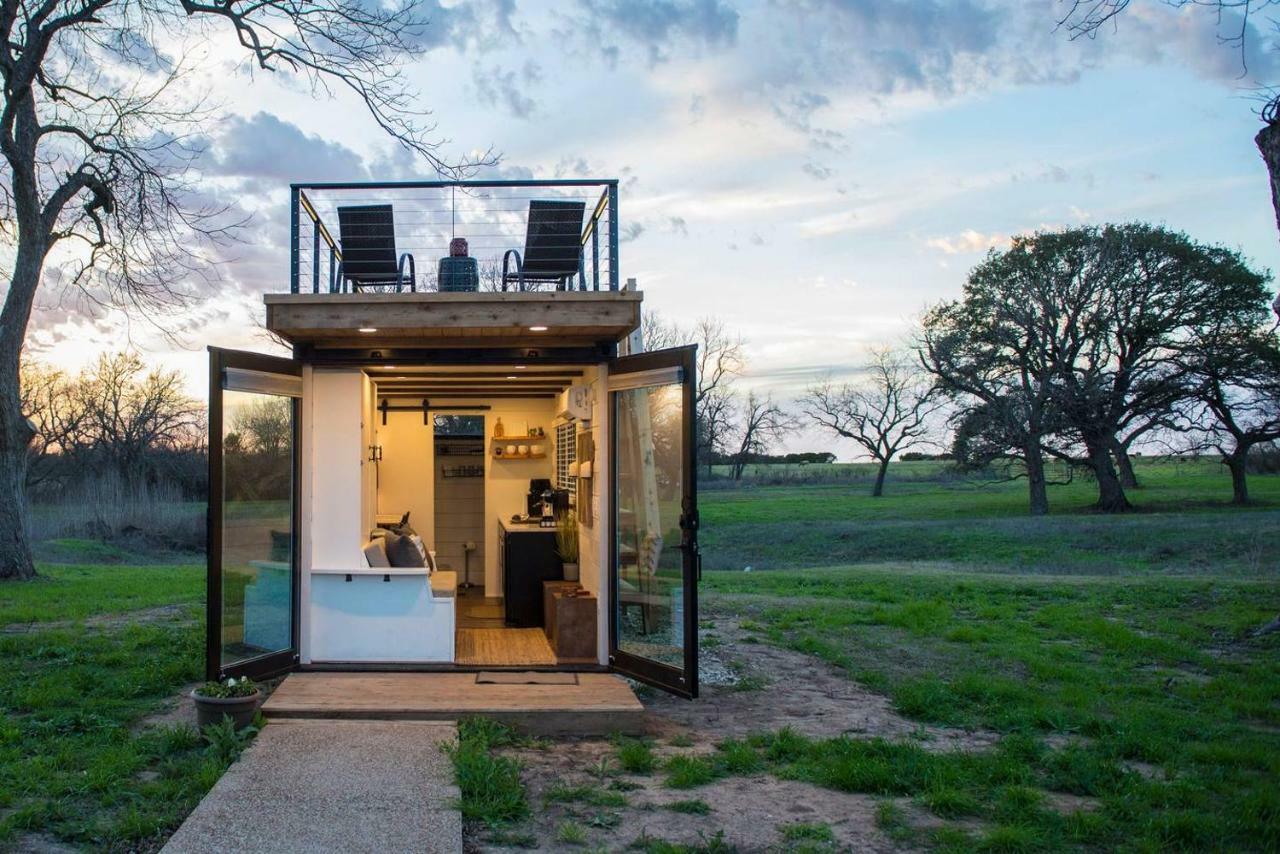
point(486, 319)
point(596, 704)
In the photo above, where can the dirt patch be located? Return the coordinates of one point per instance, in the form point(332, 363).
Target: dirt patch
point(172, 615)
point(795, 690)
point(748, 811)
point(40, 843)
point(746, 687)
point(174, 711)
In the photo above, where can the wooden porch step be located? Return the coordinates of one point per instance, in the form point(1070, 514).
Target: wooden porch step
point(599, 704)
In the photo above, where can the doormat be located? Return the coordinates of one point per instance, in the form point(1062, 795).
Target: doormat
point(528, 677)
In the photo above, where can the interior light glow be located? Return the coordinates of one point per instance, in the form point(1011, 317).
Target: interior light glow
point(368, 329)
point(537, 329)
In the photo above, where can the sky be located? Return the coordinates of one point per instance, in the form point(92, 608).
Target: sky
point(812, 172)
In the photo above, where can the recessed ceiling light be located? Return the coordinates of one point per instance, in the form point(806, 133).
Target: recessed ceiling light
point(388, 367)
point(511, 377)
point(521, 367)
point(537, 329)
point(368, 329)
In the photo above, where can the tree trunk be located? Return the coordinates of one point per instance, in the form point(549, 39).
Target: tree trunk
point(1111, 497)
point(15, 431)
point(878, 489)
point(1124, 467)
point(1268, 142)
point(1037, 485)
point(1239, 480)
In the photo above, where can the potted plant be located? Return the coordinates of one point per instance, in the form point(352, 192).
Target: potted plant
point(233, 698)
point(567, 543)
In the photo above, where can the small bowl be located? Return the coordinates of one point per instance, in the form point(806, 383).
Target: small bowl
point(524, 450)
point(511, 450)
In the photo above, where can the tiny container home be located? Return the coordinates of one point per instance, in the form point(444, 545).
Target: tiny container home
point(466, 380)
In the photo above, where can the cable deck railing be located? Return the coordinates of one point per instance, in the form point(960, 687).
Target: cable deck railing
point(454, 236)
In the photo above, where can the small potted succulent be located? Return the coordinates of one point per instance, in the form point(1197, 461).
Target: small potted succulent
point(232, 697)
point(567, 543)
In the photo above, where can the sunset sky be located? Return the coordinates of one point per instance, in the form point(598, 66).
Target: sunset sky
point(813, 172)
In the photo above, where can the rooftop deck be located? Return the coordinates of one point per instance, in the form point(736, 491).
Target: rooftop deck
point(454, 264)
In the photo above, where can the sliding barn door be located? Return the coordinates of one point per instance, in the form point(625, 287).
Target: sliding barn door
point(252, 606)
point(654, 560)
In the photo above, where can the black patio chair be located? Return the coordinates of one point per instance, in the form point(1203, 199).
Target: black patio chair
point(369, 259)
point(552, 247)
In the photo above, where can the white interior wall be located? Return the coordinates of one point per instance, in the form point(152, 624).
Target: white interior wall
point(459, 510)
point(335, 461)
point(406, 480)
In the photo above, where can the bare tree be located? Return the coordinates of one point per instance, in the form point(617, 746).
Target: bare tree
point(98, 133)
point(129, 413)
point(265, 425)
point(887, 414)
point(720, 362)
point(54, 404)
point(763, 422)
point(1238, 386)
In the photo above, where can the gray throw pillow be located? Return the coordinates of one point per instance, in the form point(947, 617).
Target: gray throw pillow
point(376, 554)
point(403, 553)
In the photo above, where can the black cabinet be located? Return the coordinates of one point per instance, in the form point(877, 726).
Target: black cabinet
point(526, 558)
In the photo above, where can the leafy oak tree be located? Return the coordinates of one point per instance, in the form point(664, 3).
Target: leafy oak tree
point(99, 125)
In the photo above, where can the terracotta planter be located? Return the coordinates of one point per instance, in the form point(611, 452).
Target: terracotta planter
point(211, 710)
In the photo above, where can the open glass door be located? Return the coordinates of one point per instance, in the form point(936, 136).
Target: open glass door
point(654, 561)
point(252, 607)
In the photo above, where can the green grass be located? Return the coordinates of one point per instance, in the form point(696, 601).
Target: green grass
point(694, 806)
point(1183, 523)
point(77, 592)
point(74, 763)
point(1155, 673)
point(635, 755)
point(490, 787)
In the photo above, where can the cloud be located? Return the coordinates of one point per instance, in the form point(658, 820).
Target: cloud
point(265, 146)
point(660, 26)
point(506, 89)
point(817, 171)
point(968, 241)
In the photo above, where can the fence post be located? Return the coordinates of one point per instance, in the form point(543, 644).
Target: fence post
point(613, 235)
point(315, 257)
point(293, 239)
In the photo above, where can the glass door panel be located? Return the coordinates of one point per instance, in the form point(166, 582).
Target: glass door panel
point(654, 535)
point(253, 519)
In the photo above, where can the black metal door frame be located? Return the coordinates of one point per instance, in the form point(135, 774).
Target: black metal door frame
point(281, 661)
point(680, 681)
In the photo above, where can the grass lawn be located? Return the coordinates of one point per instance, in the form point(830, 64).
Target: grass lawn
point(1146, 696)
point(74, 763)
point(1182, 524)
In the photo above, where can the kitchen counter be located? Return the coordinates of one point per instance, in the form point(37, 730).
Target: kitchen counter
point(526, 557)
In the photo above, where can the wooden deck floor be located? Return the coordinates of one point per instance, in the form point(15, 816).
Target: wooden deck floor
point(599, 703)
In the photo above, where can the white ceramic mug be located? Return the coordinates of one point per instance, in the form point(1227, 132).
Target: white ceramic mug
point(511, 450)
point(524, 450)
point(537, 450)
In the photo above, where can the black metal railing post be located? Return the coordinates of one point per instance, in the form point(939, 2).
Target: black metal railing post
point(613, 235)
point(315, 257)
point(293, 238)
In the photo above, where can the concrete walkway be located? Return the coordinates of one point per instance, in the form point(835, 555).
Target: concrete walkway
point(332, 786)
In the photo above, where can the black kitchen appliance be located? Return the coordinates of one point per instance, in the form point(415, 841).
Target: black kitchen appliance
point(537, 486)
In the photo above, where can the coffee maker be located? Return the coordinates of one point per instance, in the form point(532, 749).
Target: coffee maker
point(537, 486)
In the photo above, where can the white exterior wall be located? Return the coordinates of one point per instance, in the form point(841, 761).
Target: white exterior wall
point(336, 465)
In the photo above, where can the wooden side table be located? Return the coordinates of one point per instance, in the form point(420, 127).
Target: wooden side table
point(548, 602)
point(573, 627)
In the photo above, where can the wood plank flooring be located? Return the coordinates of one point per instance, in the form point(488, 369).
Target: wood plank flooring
point(599, 703)
point(503, 647)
